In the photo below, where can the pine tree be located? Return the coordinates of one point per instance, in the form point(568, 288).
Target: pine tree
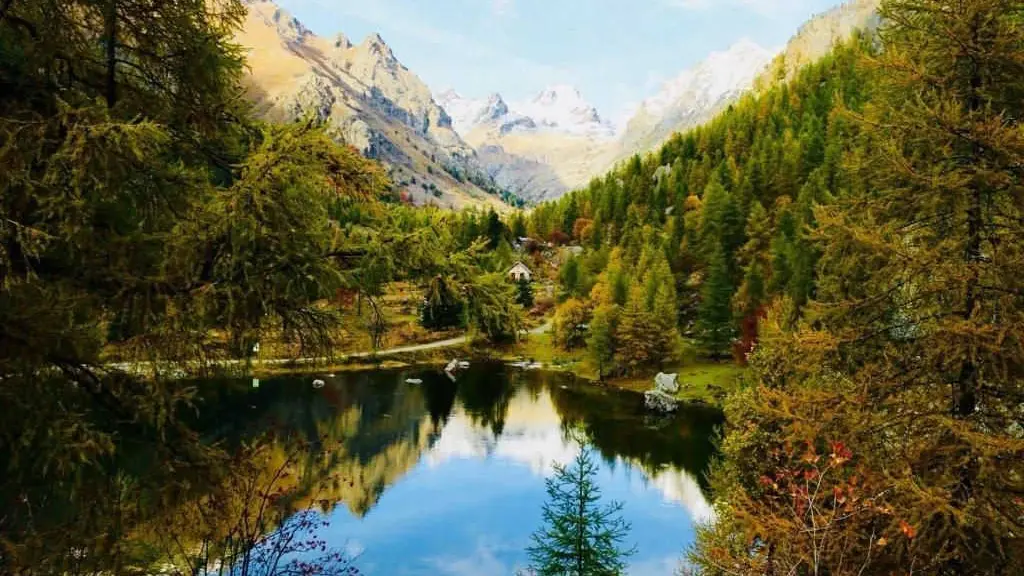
point(495, 230)
point(441, 307)
point(912, 368)
point(601, 344)
point(524, 293)
point(579, 537)
point(636, 334)
point(571, 277)
point(715, 328)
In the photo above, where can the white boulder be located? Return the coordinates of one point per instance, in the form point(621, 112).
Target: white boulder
point(667, 383)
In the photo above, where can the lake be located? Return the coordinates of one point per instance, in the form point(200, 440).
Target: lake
point(447, 477)
point(411, 471)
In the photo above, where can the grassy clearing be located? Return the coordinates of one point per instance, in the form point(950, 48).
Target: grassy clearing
point(701, 381)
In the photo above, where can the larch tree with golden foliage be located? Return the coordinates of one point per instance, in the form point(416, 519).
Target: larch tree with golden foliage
point(884, 435)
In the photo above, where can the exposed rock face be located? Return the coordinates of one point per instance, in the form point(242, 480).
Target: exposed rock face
point(556, 142)
point(816, 37)
point(365, 97)
point(539, 148)
point(693, 97)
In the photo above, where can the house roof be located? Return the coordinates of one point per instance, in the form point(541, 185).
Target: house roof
point(518, 264)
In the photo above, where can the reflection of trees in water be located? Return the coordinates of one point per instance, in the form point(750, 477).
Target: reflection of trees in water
point(84, 464)
point(376, 425)
point(165, 494)
point(609, 418)
point(485, 392)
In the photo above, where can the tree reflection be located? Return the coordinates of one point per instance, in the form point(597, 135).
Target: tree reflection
point(224, 478)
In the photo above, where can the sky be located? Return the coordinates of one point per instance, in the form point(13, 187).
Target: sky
point(616, 52)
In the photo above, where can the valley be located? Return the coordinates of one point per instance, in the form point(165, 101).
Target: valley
point(722, 300)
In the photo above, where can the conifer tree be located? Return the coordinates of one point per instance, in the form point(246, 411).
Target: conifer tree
point(571, 277)
point(636, 335)
point(601, 342)
point(913, 364)
point(580, 537)
point(524, 293)
point(715, 328)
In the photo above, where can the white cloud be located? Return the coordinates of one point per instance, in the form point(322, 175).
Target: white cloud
point(483, 562)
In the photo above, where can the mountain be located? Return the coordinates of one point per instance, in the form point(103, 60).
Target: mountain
point(559, 109)
point(693, 97)
point(366, 98)
point(557, 141)
point(819, 34)
point(537, 149)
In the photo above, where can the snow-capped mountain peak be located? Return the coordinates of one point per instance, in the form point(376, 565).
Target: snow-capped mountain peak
point(560, 94)
point(720, 75)
point(562, 107)
point(467, 113)
point(559, 108)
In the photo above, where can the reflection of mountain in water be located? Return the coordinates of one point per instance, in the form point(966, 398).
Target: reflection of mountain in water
point(346, 443)
point(379, 427)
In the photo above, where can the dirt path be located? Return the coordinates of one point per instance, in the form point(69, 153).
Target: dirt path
point(434, 345)
point(450, 342)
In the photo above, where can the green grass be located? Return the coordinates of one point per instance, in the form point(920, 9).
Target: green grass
point(708, 382)
point(540, 348)
point(699, 381)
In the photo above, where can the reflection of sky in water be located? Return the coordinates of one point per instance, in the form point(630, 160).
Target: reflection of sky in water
point(469, 506)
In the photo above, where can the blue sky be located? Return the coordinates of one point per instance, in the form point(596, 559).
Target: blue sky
point(617, 52)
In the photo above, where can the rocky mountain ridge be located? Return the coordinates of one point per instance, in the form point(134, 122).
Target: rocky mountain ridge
point(366, 98)
point(456, 151)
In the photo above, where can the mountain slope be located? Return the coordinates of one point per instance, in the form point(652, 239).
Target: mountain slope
point(539, 164)
point(368, 99)
point(539, 148)
point(819, 35)
point(693, 97)
point(557, 141)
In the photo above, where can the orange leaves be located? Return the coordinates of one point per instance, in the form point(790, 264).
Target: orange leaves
point(908, 530)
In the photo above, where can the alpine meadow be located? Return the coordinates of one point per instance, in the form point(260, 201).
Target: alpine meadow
point(274, 302)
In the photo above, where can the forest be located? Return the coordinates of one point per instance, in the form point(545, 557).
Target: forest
point(855, 236)
point(698, 239)
point(144, 208)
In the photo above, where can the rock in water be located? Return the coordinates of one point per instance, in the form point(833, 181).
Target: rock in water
point(660, 401)
point(667, 383)
point(318, 383)
point(413, 381)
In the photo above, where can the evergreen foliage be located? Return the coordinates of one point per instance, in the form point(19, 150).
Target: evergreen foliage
point(580, 537)
point(884, 431)
point(524, 293)
point(730, 202)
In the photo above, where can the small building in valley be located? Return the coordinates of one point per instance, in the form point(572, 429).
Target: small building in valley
point(519, 271)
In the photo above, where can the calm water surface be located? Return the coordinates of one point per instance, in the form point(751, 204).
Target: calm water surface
point(447, 477)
